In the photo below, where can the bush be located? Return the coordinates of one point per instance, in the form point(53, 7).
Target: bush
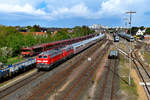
point(5, 53)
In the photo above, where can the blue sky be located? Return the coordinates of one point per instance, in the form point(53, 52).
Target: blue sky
point(70, 13)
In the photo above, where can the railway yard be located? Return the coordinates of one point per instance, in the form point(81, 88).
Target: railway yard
point(88, 75)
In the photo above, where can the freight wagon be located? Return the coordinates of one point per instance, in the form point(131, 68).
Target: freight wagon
point(34, 50)
point(116, 38)
point(113, 54)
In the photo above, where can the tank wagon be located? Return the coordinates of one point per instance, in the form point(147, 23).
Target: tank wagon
point(13, 70)
point(128, 37)
point(47, 59)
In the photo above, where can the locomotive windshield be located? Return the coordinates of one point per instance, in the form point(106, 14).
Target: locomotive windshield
point(44, 56)
point(40, 56)
point(132, 38)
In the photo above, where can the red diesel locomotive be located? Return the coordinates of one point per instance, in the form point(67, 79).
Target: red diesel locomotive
point(51, 57)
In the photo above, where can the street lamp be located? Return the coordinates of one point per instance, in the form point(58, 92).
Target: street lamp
point(130, 22)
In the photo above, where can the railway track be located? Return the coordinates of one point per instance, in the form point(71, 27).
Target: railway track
point(114, 79)
point(141, 69)
point(75, 91)
point(6, 92)
point(53, 83)
point(142, 72)
point(108, 90)
point(18, 85)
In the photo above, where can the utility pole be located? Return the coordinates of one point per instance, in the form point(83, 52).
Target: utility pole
point(130, 13)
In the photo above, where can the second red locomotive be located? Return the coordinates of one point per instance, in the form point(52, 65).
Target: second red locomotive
point(48, 58)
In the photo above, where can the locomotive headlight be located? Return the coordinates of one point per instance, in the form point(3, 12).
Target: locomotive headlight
point(45, 61)
point(39, 61)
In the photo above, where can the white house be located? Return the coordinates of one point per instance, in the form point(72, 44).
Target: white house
point(140, 32)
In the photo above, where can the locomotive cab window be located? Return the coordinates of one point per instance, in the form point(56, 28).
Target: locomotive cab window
point(44, 56)
point(40, 57)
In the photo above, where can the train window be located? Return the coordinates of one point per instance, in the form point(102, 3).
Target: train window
point(53, 55)
point(131, 37)
point(24, 50)
point(38, 49)
point(56, 49)
point(40, 56)
point(44, 56)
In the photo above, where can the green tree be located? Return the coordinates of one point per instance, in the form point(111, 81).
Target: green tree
point(148, 31)
point(15, 41)
point(133, 30)
point(86, 30)
point(81, 31)
point(5, 53)
point(29, 27)
point(29, 40)
point(35, 28)
point(142, 28)
point(77, 31)
point(61, 34)
point(3, 59)
point(4, 33)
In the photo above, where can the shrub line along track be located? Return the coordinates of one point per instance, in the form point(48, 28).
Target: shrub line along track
point(55, 81)
point(141, 70)
point(29, 79)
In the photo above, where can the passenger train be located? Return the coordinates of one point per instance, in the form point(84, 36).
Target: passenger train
point(116, 38)
point(47, 59)
point(128, 37)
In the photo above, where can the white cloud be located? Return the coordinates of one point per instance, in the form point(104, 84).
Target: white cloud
point(108, 8)
point(121, 6)
point(79, 10)
point(28, 9)
point(61, 9)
